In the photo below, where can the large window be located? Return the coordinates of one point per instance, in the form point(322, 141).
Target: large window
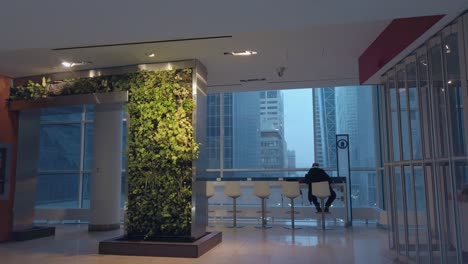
point(65, 157)
point(260, 143)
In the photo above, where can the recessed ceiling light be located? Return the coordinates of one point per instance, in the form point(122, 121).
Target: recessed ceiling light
point(68, 64)
point(150, 55)
point(241, 53)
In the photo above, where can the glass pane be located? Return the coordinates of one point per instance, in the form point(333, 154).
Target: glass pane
point(355, 117)
point(455, 94)
point(434, 229)
point(363, 189)
point(438, 95)
point(400, 211)
point(403, 114)
point(446, 206)
point(389, 202)
point(425, 103)
point(86, 191)
point(213, 131)
point(59, 147)
point(393, 108)
point(421, 214)
point(461, 176)
point(123, 190)
point(267, 132)
point(124, 145)
point(88, 146)
point(62, 114)
point(89, 112)
point(410, 213)
point(414, 110)
point(57, 190)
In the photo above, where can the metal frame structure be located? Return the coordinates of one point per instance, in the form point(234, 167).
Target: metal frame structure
point(440, 102)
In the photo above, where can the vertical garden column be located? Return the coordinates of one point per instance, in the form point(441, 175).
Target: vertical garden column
point(107, 167)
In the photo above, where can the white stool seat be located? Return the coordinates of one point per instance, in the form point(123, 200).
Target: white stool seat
point(291, 189)
point(210, 189)
point(262, 189)
point(321, 189)
point(232, 189)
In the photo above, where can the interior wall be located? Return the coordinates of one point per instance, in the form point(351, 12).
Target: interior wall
point(8, 134)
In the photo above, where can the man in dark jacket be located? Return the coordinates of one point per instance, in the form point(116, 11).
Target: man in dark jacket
point(316, 174)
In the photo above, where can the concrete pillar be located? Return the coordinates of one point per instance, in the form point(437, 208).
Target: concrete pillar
point(107, 164)
point(26, 169)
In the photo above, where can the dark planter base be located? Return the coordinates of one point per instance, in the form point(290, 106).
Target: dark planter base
point(33, 233)
point(121, 246)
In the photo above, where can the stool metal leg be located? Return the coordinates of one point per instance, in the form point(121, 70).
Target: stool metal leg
point(322, 203)
point(292, 217)
point(234, 207)
point(323, 227)
point(264, 220)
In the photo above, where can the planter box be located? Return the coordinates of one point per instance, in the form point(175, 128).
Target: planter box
point(121, 246)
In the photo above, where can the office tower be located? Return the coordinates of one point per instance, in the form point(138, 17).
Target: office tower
point(324, 112)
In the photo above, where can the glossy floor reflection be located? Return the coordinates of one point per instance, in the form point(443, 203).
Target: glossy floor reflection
point(360, 244)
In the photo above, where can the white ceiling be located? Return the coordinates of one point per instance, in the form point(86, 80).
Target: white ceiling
point(318, 41)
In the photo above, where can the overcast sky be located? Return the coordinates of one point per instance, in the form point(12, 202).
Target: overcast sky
point(298, 125)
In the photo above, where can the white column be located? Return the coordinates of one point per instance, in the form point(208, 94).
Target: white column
point(107, 164)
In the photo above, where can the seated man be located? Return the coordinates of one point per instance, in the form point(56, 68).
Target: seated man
point(316, 174)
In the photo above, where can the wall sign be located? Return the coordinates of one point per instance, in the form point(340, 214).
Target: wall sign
point(5, 160)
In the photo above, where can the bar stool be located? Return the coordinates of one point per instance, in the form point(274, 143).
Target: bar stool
point(232, 189)
point(321, 190)
point(210, 192)
point(291, 190)
point(262, 191)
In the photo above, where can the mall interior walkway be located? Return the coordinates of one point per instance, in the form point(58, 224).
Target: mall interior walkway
point(359, 244)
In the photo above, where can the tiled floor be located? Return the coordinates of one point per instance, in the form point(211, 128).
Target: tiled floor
point(360, 244)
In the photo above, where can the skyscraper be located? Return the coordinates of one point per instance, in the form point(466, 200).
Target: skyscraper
point(324, 112)
point(273, 146)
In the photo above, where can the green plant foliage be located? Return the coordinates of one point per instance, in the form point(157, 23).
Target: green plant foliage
point(161, 151)
point(161, 144)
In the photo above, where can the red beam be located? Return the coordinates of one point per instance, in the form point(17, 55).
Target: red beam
point(398, 35)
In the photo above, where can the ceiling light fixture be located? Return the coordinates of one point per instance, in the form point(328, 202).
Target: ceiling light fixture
point(150, 55)
point(241, 53)
point(68, 64)
point(253, 80)
point(449, 82)
point(447, 48)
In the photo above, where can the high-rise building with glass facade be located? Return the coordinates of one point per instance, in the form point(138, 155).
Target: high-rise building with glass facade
point(324, 112)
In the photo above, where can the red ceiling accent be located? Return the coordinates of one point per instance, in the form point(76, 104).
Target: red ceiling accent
point(394, 39)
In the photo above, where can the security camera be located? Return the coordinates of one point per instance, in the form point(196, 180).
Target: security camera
point(280, 71)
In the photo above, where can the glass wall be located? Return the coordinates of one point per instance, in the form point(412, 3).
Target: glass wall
point(65, 157)
point(426, 94)
point(278, 134)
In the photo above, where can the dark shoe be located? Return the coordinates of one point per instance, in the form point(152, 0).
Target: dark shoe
point(318, 210)
point(326, 210)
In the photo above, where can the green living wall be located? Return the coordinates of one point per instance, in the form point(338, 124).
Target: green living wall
point(161, 144)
